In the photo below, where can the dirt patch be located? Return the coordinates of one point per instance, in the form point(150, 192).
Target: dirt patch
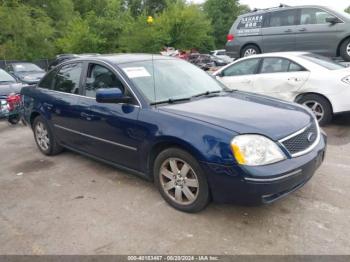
point(33, 165)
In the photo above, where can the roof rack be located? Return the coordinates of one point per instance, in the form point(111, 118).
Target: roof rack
point(266, 9)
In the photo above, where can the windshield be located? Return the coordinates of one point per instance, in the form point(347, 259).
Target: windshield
point(323, 61)
point(170, 79)
point(6, 78)
point(26, 68)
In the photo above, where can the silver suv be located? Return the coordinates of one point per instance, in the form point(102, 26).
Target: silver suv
point(313, 28)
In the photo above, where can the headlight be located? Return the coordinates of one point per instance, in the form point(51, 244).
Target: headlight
point(256, 150)
point(346, 80)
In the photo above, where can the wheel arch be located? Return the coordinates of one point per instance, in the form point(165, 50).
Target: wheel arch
point(169, 142)
point(250, 43)
point(33, 115)
point(313, 93)
point(340, 44)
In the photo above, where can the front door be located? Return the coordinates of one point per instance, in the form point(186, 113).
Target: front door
point(111, 131)
point(316, 35)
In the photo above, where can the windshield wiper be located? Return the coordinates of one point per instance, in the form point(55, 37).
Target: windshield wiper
point(171, 101)
point(208, 93)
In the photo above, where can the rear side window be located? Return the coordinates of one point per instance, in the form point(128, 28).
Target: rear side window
point(282, 18)
point(279, 65)
point(247, 67)
point(313, 16)
point(67, 79)
point(47, 80)
point(251, 22)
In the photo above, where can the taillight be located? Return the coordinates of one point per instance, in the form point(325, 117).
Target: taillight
point(230, 38)
point(13, 100)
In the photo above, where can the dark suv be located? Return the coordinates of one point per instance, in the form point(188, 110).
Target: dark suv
point(313, 28)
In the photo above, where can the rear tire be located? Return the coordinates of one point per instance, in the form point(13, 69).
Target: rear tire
point(319, 106)
point(250, 50)
point(45, 138)
point(181, 181)
point(345, 50)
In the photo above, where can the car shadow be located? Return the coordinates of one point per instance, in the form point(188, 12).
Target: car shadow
point(339, 131)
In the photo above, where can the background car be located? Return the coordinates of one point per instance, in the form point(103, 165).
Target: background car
point(25, 72)
point(9, 93)
point(312, 80)
point(311, 28)
point(204, 62)
point(168, 121)
point(222, 55)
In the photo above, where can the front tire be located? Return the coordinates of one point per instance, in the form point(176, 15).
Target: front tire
point(181, 181)
point(44, 137)
point(320, 106)
point(345, 50)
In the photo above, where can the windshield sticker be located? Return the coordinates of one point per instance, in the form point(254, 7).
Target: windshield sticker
point(135, 72)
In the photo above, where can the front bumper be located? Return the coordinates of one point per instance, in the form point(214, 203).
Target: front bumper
point(264, 184)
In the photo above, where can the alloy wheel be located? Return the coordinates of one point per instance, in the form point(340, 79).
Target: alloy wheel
point(348, 49)
point(179, 181)
point(42, 136)
point(250, 52)
point(316, 108)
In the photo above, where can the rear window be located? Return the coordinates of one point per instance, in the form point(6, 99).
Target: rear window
point(323, 61)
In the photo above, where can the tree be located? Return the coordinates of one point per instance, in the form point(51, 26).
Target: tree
point(181, 25)
point(222, 14)
point(348, 9)
point(25, 32)
point(148, 7)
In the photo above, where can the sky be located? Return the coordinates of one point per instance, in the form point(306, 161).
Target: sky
point(337, 4)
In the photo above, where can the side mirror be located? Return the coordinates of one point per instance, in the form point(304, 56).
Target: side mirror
point(111, 95)
point(333, 20)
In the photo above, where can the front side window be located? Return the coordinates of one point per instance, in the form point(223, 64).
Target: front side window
point(100, 77)
point(47, 80)
point(67, 79)
point(279, 65)
point(247, 67)
point(313, 16)
point(282, 18)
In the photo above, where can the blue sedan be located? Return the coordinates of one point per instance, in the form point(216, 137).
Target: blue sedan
point(170, 122)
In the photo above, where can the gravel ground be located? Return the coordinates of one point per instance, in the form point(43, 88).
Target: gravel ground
point(70, 204)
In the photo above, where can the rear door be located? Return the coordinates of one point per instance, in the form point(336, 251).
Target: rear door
point(280, 78)
point(279, 31)
point(314, 34)
point(240, 75)
point(60, 92)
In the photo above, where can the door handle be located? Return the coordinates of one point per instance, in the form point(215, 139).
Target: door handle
point(87, 116)
point(295, 79)
point(246, 81)
point(288, 31)
point(302, 29)
point(48, 106)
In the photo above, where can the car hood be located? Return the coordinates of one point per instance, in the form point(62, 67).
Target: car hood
point(7, 89)
point(246, 114)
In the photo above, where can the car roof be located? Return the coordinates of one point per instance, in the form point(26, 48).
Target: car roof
point(124, 58)
point(278, 8)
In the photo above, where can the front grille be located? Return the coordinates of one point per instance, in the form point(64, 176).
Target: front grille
point(302, 141)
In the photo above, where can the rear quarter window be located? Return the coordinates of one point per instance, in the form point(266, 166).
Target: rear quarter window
point(250, 25)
